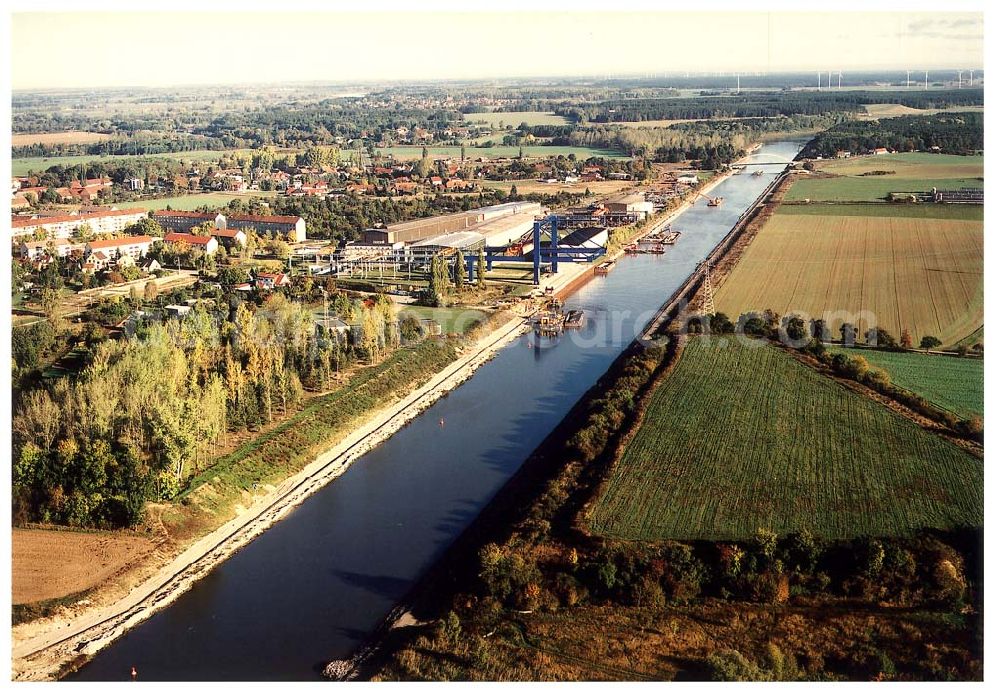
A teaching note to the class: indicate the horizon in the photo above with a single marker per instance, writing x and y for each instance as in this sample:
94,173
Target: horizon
430,81
660,43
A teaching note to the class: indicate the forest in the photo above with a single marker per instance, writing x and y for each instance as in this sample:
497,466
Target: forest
950,133
144,414
759,105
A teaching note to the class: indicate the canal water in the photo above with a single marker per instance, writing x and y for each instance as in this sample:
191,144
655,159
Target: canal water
314,586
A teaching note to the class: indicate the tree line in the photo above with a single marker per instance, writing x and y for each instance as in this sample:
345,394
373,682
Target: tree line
145,413
950,133
763,104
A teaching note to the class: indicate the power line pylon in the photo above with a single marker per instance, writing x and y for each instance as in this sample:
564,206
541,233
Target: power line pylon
708,290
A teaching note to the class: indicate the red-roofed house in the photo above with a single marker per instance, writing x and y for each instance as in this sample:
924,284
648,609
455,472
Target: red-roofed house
272,280
103,252
179,220
207,244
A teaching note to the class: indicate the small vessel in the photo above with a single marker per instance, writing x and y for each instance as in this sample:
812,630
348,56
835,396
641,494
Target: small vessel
671,237
604,268
574,319
758,172
715,202
658,249
631,249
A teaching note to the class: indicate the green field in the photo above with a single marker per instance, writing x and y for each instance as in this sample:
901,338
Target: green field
916,211
23,165
535,152
741,437
193,201
908,165
515,118
951,383
847,188
452,320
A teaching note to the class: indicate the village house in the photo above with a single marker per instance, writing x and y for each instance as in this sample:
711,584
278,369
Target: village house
230,238
102,253
207,244
405,187
271,280
360,188
458,184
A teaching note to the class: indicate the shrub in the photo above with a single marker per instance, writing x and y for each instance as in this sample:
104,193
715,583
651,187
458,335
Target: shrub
732,666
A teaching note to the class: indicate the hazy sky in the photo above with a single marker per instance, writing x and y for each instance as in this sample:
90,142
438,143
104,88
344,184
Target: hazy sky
160,49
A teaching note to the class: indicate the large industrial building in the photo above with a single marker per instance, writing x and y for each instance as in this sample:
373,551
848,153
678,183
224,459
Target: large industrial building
465,241
504,231
630,203
421,229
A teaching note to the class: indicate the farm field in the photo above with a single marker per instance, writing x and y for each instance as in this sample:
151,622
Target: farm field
21,166
879,209
951,383
515,118
908,165
529,187
70,137
876,111
410,152
49,564
862,188
195,200
741,437
925,275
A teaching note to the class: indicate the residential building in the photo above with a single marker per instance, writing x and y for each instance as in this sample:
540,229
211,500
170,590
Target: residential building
179,220
63,226
35,250
111,249
207,244
272,280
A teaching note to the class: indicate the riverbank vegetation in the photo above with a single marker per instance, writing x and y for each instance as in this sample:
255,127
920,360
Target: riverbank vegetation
947,133
143,416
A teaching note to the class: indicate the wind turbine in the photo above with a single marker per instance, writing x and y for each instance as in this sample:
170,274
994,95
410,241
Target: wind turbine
925,80
960,79
819,83
829,78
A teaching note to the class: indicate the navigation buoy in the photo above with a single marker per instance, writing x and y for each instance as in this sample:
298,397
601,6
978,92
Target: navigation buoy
441,422
135,674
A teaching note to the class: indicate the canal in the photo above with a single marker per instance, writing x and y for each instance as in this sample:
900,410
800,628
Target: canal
314,586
